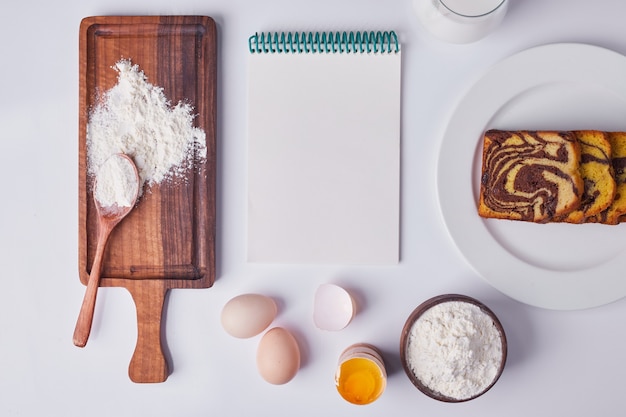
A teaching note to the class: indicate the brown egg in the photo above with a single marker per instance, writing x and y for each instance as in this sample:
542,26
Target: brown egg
278,356
247,315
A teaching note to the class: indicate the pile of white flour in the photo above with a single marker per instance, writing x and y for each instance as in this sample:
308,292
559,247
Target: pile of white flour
455,349
136,118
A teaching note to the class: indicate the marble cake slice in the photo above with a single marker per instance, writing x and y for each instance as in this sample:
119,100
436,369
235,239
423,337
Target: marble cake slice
597,172
530,175
616,212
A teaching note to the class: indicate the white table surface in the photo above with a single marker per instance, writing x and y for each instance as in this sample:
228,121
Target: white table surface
560,363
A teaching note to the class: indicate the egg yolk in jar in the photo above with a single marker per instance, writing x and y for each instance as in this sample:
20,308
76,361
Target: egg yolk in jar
360,381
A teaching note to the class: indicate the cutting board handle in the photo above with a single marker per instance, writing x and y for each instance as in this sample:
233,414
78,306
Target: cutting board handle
148,364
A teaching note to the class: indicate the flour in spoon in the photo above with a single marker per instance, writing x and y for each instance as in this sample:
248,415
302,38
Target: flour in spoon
117,183
137,119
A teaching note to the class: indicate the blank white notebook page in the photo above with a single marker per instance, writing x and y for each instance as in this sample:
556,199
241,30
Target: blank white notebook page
324,157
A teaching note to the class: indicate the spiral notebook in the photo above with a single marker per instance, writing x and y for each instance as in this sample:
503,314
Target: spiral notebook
324,147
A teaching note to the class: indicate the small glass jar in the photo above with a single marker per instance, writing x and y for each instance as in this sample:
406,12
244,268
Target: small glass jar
460,21
361,377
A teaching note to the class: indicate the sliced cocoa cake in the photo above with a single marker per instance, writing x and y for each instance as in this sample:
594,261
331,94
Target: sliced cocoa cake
597,172
530,175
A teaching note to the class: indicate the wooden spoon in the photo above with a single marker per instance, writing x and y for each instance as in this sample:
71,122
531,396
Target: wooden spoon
108,217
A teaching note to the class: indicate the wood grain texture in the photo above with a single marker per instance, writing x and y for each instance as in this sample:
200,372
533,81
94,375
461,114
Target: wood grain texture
170,236
148,363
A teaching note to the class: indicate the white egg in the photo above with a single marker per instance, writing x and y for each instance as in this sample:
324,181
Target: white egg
333,307
247,315
278,356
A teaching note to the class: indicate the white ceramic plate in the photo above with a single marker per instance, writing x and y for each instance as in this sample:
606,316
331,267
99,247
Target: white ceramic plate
556,87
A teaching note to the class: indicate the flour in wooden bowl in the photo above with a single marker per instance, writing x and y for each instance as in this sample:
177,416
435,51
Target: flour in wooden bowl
453,348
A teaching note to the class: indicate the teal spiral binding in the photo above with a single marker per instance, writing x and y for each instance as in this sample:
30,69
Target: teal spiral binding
323,42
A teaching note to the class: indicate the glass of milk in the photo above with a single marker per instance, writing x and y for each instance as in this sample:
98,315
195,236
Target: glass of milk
460,21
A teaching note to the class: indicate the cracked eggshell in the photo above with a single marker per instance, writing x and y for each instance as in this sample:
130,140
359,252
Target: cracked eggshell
247,315
333,307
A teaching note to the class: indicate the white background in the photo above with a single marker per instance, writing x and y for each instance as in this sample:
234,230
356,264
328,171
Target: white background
560,363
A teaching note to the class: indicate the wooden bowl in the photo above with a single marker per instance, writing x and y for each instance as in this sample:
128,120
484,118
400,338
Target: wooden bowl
406,331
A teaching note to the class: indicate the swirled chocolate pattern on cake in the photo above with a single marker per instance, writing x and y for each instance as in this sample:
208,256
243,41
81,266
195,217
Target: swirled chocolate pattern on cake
614,214
530,175
597,172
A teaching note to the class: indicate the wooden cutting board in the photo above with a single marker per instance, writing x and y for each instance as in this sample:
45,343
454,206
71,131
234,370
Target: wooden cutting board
168,240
